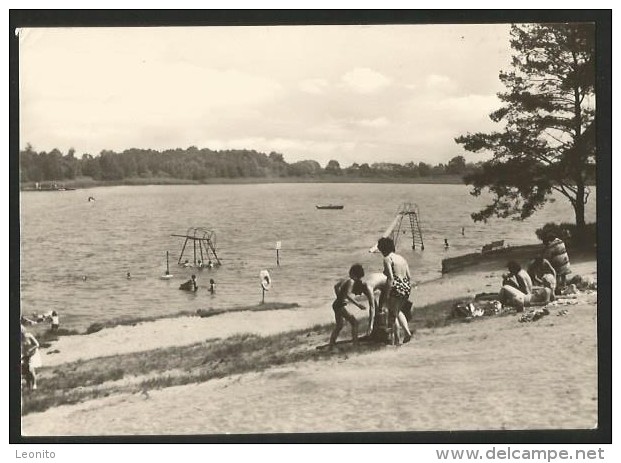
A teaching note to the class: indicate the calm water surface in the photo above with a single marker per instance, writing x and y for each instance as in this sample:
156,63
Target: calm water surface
128,229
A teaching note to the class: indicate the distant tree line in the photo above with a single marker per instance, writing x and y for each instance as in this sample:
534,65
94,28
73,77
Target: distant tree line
203,164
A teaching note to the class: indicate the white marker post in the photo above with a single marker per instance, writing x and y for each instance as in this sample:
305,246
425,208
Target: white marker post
278,244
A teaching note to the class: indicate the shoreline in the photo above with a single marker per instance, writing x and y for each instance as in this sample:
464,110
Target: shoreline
72,185
160,357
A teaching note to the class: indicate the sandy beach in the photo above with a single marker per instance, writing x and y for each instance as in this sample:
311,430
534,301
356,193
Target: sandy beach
492,373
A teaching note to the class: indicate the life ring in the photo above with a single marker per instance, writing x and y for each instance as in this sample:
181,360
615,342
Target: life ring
266,280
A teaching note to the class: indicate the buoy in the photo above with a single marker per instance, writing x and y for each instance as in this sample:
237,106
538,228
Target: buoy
167,275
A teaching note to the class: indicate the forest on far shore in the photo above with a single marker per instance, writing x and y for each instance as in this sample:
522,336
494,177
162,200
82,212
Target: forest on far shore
202,165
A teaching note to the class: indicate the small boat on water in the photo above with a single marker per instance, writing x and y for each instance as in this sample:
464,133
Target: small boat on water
329,206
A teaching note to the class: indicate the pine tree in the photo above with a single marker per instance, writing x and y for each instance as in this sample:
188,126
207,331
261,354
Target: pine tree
548,140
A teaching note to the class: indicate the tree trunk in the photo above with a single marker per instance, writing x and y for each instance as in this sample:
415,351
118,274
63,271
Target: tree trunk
579,211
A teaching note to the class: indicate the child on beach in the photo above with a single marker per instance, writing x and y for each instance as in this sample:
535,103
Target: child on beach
212,286
55,321
344,291
30,358
398,289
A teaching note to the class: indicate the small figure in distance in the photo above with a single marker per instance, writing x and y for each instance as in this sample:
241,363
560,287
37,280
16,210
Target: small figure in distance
446,244
55,321
129,276
189,285
212,286
344,291
463,231
187,263
209,264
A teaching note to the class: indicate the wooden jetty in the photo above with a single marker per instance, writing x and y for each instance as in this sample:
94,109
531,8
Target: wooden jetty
490,252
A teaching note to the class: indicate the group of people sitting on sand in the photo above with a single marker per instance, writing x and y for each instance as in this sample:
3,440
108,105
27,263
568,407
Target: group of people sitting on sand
387,294
543,279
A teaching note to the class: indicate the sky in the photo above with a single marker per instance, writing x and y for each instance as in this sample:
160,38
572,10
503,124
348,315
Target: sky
380,93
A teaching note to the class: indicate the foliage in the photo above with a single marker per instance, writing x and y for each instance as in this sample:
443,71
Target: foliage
201,165
548,140
569,234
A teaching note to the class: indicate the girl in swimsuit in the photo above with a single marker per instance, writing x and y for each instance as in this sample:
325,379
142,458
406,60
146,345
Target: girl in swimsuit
344,291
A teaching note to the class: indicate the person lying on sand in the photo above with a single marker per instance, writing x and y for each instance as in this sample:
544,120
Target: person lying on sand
344,291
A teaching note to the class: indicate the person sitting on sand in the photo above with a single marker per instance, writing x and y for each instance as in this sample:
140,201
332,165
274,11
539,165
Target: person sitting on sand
398,288
344,291
542,273
517,287
556,253
189,285
31,359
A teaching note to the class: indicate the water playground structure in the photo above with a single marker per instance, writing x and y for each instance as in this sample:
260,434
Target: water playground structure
406,220
203,246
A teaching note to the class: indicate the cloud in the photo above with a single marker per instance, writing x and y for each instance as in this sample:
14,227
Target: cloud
377,122
440,83
365,80
314,86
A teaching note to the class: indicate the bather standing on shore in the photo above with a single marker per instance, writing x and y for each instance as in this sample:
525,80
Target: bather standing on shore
398,287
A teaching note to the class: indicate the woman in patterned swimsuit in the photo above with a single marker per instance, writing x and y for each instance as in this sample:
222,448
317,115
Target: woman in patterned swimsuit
398,286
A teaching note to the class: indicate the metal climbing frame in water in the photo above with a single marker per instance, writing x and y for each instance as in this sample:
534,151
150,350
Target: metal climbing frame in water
408,218
204,240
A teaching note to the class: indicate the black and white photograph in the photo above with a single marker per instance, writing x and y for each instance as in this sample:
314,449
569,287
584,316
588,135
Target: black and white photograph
243,224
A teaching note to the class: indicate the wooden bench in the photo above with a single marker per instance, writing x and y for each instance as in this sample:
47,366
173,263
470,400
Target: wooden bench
493,246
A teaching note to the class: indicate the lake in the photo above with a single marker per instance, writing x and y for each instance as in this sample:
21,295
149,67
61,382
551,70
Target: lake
65,238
